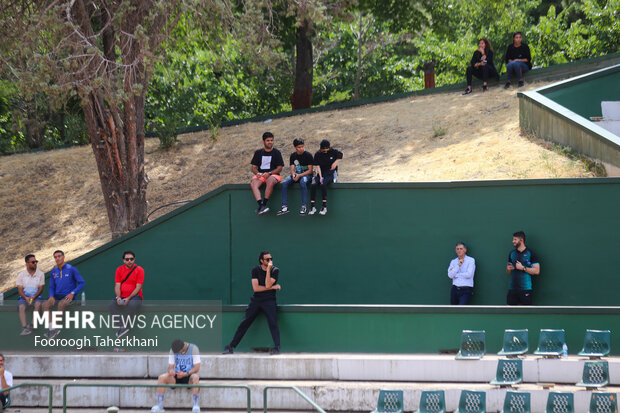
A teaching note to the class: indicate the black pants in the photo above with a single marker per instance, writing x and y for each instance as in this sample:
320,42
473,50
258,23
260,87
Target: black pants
267,306
327,179
4,401
519,297
127,312
481,72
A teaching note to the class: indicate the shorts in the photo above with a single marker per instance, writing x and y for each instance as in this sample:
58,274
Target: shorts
262,179
62,297
21,300
184,380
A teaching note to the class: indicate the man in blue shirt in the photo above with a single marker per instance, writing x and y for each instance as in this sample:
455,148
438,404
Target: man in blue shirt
66,282
522,264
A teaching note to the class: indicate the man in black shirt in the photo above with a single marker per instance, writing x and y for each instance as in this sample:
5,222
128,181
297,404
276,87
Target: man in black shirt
301,171
266,166
326,162
265,284
518,60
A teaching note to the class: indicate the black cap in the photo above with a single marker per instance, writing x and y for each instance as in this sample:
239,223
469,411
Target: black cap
325,144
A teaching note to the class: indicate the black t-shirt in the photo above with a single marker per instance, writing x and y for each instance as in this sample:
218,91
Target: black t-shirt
260,275
325,160
477,58
267,161
521,52
303,160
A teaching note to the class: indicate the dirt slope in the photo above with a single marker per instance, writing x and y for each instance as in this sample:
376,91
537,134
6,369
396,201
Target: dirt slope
52,200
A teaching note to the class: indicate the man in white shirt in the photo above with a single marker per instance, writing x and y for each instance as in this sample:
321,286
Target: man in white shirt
30,283
461,271
6,381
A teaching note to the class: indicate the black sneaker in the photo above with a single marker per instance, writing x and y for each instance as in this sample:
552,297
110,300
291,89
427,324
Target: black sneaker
521,83
507,85
228,350
263,210
274,351
283,210
485,88
467,91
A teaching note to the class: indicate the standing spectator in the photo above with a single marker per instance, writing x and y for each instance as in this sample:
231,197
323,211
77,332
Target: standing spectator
183,368
522,264
265,284
461,271
128,282
6,381
301,171
518,60
66,282
267,163
326,161
481,65
30,283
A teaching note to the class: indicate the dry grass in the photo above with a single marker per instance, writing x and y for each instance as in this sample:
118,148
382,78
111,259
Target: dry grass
52,200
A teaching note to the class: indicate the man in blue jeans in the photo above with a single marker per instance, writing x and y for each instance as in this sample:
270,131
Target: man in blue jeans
518,60
301,172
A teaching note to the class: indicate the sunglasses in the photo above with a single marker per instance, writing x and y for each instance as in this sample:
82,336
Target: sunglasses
267,258
33,262
128,259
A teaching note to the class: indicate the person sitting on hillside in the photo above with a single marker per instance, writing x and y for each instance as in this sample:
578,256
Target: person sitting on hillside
301,171
267,164
326,161
481,65
518,60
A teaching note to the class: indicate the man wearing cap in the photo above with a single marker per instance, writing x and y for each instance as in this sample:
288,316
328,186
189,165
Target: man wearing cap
30,283
267,163
326,162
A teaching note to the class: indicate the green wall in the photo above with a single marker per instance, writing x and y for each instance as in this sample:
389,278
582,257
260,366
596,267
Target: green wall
584,95
379,244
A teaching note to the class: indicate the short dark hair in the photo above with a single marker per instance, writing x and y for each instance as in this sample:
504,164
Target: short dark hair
28,257
519,234
58,251
325,144
516,33
177,345
297,142
267,135
461,243
261,255
129,252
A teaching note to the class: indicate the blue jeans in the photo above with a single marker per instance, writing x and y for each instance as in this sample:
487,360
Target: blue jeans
303,181
460,295
517,69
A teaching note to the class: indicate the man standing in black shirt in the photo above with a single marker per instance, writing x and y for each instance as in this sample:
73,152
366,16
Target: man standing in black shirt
518,60
326,162
266,164
301,171
265,284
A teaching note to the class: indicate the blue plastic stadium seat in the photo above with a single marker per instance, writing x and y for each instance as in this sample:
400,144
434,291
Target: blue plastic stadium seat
472,402
516,343
473,345
603,403
550,343
516,402
560,402
509,372
432,401
390,401
596,343
595,374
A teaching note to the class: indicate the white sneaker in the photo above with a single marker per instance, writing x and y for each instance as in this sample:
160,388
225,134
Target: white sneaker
156,409
196,409
323,210
283,210
312,211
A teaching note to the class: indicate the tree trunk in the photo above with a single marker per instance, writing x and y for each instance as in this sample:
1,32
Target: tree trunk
117,139
302,94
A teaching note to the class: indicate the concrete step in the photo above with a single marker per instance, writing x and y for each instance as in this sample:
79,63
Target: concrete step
345,367
330,395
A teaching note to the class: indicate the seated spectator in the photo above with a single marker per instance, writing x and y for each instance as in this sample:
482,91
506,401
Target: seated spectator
30,283
518,60
326,161
128,282
461,272
183,368
66,282
301,171
6,381
267,164
481,65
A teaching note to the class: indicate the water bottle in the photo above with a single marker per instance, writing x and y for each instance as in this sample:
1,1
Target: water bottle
564,350
297,166
1,297
83,298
